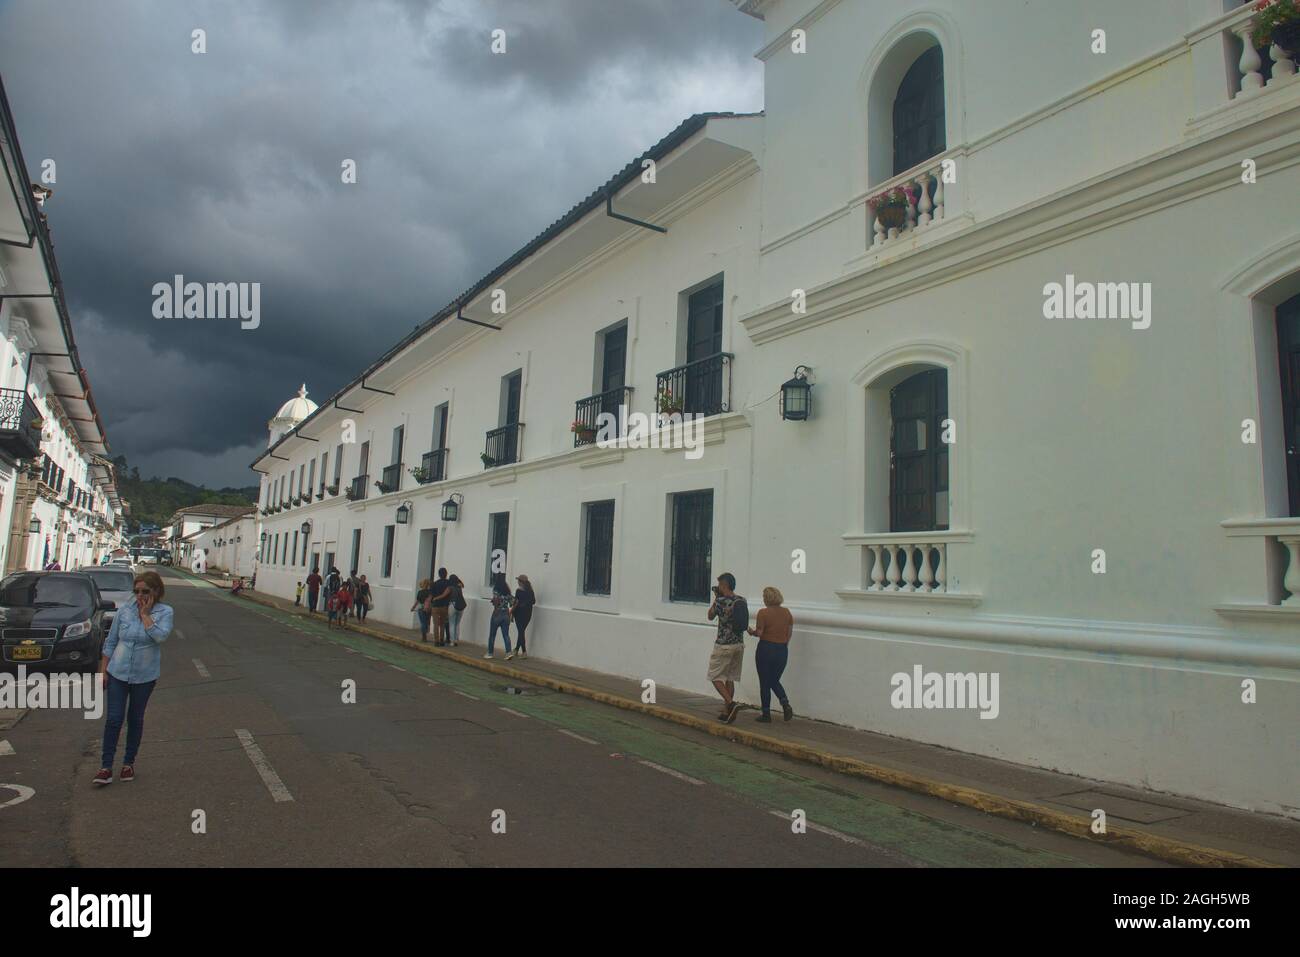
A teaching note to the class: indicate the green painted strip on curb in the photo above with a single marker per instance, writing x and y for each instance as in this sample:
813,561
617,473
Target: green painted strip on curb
1144,842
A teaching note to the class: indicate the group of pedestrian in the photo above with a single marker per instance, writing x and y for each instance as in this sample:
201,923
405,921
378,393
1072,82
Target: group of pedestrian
772,627
342,596
507,608
439,606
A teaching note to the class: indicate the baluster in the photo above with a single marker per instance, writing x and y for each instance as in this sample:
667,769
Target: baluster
925,205
909,569
941,569
1251,79
1292,580
927,576
938,194
911,211
1283,65
877,568
879,229
894,576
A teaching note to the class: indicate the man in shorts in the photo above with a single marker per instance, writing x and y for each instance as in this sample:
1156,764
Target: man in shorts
732,615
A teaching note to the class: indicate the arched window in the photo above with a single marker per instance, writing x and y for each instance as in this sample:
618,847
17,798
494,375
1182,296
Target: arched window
919,119
1288,354
918,457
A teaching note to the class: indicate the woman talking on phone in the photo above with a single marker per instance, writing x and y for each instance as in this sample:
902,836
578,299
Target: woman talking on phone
130,667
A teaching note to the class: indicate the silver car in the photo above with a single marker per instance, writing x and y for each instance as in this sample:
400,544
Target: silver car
116,584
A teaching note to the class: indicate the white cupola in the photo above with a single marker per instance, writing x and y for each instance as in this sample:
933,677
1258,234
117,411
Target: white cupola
290,414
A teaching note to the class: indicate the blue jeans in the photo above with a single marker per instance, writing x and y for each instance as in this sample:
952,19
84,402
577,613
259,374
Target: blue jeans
125,701
425,618
502,622
453,624
770,658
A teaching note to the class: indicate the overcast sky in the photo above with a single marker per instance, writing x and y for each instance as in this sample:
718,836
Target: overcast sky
225,166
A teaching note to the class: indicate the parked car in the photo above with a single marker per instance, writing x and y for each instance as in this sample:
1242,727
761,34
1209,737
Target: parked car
51,621
147,556
164,557
115,584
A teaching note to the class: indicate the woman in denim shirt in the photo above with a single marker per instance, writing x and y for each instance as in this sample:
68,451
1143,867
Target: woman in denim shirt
130,667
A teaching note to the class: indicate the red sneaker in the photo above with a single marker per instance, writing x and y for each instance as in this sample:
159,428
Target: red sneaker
128,773
105,776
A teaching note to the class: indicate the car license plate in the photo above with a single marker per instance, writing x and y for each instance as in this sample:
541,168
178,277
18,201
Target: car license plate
25,654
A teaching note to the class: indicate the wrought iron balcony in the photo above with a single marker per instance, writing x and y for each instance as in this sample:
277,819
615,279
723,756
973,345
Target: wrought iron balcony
432,468
357,490
391,479
20,424
587,414
502,446
321,491
702,387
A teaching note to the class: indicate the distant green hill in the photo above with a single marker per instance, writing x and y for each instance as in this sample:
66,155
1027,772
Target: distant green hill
154,500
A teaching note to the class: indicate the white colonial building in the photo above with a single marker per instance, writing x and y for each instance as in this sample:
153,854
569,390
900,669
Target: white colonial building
1103,511
59,499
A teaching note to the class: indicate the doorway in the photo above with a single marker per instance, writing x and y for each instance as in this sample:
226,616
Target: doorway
426,564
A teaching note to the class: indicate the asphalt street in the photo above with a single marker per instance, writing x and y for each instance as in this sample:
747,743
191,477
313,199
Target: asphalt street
435,764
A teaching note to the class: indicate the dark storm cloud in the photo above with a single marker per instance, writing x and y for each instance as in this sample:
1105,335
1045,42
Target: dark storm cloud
225,167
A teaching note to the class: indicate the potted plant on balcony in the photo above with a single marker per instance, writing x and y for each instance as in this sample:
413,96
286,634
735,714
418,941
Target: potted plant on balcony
1278,23
352,494
488,461
585,431
892,205
334,489
666,402
421,474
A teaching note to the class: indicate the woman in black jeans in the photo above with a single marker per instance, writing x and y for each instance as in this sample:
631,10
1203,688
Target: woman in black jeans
524,601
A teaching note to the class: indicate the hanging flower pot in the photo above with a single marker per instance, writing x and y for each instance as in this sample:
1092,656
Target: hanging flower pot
1278,23
891,207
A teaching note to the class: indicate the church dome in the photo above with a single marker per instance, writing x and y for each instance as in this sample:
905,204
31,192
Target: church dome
297,408
290,414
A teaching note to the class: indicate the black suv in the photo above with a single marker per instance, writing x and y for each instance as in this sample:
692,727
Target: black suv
52,621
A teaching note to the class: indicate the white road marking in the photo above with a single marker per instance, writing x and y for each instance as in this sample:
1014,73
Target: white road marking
428,680
178,633
6,748
464,695
24,793
201,668
677,774
575,735
517,714
822,829
263,766
397,668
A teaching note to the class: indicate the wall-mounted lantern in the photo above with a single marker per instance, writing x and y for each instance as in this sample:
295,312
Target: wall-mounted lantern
404,512
796,396
306,528
451,507
35,526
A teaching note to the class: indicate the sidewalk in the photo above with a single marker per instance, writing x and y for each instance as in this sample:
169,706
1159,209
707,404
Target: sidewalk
1179,830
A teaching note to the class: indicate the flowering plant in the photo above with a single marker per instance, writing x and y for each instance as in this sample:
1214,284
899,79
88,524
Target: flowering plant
898,196
580,426
1278,22
665,401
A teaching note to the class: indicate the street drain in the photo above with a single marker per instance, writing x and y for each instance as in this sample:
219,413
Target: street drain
518,690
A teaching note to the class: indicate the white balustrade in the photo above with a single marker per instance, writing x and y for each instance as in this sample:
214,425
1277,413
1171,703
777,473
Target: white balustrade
1250,66
909,568
1291,582
925,205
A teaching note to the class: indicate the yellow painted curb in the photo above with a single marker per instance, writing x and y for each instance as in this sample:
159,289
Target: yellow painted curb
1164,848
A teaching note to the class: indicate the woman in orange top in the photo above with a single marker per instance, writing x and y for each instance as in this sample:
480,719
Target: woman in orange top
773,628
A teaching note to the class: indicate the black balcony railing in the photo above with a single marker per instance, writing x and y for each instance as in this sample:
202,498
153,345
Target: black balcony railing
592,413
321,491
502,447
20,424
702,387
433,467
391,479
357,490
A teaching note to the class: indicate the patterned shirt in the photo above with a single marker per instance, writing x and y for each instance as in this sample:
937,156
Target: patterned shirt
733,619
